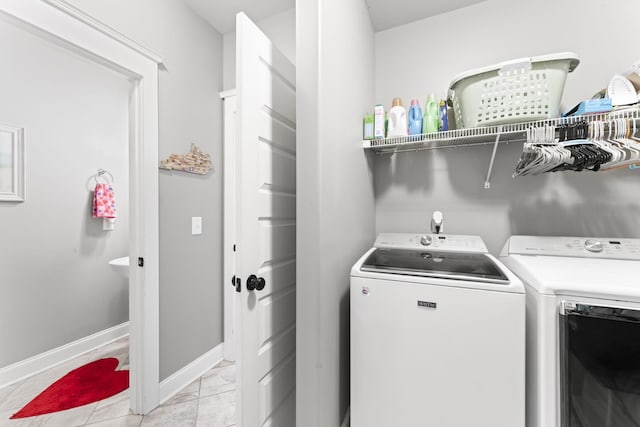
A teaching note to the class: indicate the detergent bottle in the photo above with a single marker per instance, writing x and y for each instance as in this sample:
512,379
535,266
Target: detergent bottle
443,120
415,118
397,119
430,121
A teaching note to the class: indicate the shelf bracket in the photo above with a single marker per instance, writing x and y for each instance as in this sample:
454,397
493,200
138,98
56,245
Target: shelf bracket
487,184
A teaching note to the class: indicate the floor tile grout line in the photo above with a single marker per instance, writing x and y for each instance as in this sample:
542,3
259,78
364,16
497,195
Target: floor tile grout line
91,414
16,385
106,419
195,419
219,392
198,404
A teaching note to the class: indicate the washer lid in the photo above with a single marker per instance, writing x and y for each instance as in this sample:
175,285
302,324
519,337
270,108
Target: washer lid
584,277
472,267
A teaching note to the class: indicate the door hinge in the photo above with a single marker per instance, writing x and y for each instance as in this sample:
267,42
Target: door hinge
140,262
235,282
234,247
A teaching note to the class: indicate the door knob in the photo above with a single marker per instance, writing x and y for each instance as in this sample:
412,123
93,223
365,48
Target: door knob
252,282
255,283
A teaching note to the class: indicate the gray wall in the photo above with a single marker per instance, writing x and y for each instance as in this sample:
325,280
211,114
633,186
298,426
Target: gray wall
56,285
335,202
190,112
281,30
410,186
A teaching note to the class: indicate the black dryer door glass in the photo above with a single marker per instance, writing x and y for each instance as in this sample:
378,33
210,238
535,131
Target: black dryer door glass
600,366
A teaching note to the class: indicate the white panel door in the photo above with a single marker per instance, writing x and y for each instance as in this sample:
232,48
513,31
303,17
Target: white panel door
266,229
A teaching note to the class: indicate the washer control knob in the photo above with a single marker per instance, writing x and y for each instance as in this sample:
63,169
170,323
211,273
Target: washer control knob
593,245
426,240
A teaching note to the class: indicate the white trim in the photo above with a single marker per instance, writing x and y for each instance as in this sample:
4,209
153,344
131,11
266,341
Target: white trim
40,362
81,16
347,418
17,193
227,93
185,376
80,35
231,297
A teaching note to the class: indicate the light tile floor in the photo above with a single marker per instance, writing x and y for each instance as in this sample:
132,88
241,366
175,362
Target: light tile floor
207,402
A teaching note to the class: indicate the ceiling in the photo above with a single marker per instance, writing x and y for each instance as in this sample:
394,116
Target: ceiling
387,14
384,14
222,13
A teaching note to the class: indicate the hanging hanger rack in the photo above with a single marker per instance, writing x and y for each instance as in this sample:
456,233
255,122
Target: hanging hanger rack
603,145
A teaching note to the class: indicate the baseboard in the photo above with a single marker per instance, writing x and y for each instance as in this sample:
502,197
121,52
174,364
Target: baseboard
40,362
185,376
347,418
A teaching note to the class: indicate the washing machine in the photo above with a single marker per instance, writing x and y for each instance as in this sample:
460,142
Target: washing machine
437,335
583,329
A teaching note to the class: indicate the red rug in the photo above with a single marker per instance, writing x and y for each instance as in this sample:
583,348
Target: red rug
87,384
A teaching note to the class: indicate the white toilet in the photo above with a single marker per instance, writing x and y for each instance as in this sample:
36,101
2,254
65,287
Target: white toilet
122,265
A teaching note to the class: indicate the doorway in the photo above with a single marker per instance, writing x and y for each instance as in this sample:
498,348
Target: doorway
69,29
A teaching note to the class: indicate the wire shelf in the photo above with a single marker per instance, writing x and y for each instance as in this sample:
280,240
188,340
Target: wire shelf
514,132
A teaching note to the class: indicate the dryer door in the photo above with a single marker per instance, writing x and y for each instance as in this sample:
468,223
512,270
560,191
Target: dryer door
600,365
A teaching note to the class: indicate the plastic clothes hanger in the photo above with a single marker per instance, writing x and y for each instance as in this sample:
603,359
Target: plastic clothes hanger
613,141
634,144
535,159
605,148
605,152
555,157
530,154
618,153
629,146
632,141
551,155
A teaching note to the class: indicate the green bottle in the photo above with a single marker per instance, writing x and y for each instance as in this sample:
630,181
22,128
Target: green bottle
430,121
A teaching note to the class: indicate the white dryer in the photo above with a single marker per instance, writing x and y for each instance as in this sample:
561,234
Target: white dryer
437,335
583,329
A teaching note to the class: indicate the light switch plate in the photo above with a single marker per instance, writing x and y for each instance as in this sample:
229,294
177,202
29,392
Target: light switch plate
196,225
108,224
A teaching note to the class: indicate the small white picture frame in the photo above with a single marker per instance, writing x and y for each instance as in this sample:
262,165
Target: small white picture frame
11,164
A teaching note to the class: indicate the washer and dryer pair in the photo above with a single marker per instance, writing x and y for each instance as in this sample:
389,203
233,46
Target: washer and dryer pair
438,333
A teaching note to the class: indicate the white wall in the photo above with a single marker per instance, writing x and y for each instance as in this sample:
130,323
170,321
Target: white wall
190,112
280,28
423,57
56,285
335,196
